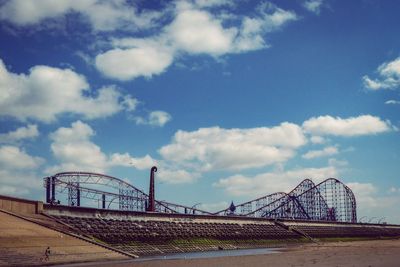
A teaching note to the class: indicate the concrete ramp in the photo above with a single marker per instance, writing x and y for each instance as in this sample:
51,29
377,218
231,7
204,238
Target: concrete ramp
23,243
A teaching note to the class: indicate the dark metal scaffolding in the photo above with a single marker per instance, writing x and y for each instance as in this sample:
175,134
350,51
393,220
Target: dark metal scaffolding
111,192
330,200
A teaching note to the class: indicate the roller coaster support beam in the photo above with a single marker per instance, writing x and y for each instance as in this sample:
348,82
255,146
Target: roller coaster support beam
48,190
152,205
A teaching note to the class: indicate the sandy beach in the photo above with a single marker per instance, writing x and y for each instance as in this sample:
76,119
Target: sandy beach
382,253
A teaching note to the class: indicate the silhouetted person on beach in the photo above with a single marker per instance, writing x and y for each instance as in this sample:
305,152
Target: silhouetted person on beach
47,254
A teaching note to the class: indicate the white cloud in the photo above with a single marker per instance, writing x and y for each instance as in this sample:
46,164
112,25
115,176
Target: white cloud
19,182
353,126
176,176
127,160
13,190
126,64
23,12
129,103
196,32
18,171
362,189
271,182
213,3
192,31
373,205
101,15
74,150
234,149
394,190
365,194
313,6
389,76
47,92
12,157
28,132
327,151
372,84
155,118
253,29
337,163
392,102
317,139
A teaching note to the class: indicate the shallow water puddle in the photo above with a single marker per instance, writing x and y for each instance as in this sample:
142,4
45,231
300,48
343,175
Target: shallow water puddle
212,254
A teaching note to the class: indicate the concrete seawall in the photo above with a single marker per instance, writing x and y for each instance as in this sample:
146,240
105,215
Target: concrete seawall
19,205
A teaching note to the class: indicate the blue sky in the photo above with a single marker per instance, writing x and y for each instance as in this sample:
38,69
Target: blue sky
231,100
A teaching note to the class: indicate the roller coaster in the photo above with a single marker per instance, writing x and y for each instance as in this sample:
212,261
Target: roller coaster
330,200
119,195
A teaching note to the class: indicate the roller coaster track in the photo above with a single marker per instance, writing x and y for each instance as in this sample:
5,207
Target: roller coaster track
330,200
88,185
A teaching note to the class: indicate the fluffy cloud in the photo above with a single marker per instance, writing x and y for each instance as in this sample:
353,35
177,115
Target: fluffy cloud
389,76
47,92
127,160
12,190
155,118
126,64
372,205
12,157
193,30
327,151
313,6
363,192
271,182
196,31
28,132
19,182
213,3
102,15
72,147
176,176
18,171
394,190
353,126
234,149
317,139
337,163
74,150
251,33
392,102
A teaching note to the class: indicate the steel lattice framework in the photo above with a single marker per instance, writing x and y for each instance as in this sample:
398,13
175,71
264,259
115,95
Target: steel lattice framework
107,190
330,200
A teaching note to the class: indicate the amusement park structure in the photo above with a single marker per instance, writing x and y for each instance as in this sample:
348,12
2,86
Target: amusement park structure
330,200
111,192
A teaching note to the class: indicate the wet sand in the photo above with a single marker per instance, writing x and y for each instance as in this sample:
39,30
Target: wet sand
383,253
